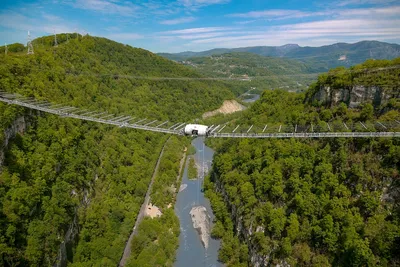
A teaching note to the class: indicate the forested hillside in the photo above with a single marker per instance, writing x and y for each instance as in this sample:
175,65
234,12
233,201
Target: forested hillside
311,202
99,73
76,187
374,81
322,58
265,72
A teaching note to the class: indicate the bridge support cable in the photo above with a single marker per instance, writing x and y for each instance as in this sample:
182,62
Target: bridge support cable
265,128
139,121
99,114
88,113
180,125
44,105
381,124
250,128
117,118
173,126
150,122
222,128
68,109
234,130
365,127
127,120
122,119
215,128
105,117
165,122
329,127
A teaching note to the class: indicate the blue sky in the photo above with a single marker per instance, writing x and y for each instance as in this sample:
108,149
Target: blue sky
196,25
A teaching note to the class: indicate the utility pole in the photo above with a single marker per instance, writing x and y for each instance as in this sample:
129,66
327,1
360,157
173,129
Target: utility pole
6,49
29,45
55,39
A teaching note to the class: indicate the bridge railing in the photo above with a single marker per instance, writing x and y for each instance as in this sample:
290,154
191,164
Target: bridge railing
321,130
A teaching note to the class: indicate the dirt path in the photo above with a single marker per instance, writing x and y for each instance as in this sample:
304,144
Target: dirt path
127,250
181,166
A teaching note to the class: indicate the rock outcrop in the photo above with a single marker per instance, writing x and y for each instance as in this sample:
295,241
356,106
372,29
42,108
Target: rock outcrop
17,127
353,96
245,233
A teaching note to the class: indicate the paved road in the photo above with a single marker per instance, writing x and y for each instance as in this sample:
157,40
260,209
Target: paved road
127,250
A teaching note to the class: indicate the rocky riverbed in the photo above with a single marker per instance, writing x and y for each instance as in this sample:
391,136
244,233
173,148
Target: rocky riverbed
196,247
201,222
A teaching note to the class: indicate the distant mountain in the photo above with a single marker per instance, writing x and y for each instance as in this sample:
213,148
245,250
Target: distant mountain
322,58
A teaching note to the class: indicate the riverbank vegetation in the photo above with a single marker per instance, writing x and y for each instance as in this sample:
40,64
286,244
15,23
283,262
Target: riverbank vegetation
192,169
157,239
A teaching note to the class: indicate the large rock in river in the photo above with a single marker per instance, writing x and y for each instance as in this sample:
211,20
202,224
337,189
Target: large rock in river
201,222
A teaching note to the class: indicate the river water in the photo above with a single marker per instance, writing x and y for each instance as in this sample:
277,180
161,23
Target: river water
191,251
254,97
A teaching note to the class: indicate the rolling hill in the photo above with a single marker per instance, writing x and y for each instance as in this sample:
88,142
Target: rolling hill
323,58
264,72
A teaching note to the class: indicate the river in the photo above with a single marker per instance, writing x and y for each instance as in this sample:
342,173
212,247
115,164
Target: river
254,97
191,251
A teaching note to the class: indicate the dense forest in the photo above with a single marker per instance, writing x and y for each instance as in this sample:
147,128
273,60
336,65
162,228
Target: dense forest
311,202
73,186
101,74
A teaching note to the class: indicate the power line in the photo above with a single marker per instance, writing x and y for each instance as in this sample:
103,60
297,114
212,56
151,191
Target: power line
30,46
55,39
330,73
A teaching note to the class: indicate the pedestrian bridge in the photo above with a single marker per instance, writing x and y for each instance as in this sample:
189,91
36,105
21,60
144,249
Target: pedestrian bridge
327,130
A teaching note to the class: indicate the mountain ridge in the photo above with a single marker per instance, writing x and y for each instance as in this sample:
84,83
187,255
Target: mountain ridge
325,57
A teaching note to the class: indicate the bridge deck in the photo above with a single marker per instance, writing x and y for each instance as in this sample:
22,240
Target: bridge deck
390,129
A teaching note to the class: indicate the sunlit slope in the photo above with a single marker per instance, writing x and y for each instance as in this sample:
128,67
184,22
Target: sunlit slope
98,73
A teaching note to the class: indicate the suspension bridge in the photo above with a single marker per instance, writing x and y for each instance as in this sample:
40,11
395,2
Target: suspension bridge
359,129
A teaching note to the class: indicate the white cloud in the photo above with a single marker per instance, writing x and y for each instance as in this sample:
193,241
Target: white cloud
364,2
46,24
310,33
274,14
197,30
178,21
107,7
200,3
371,12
